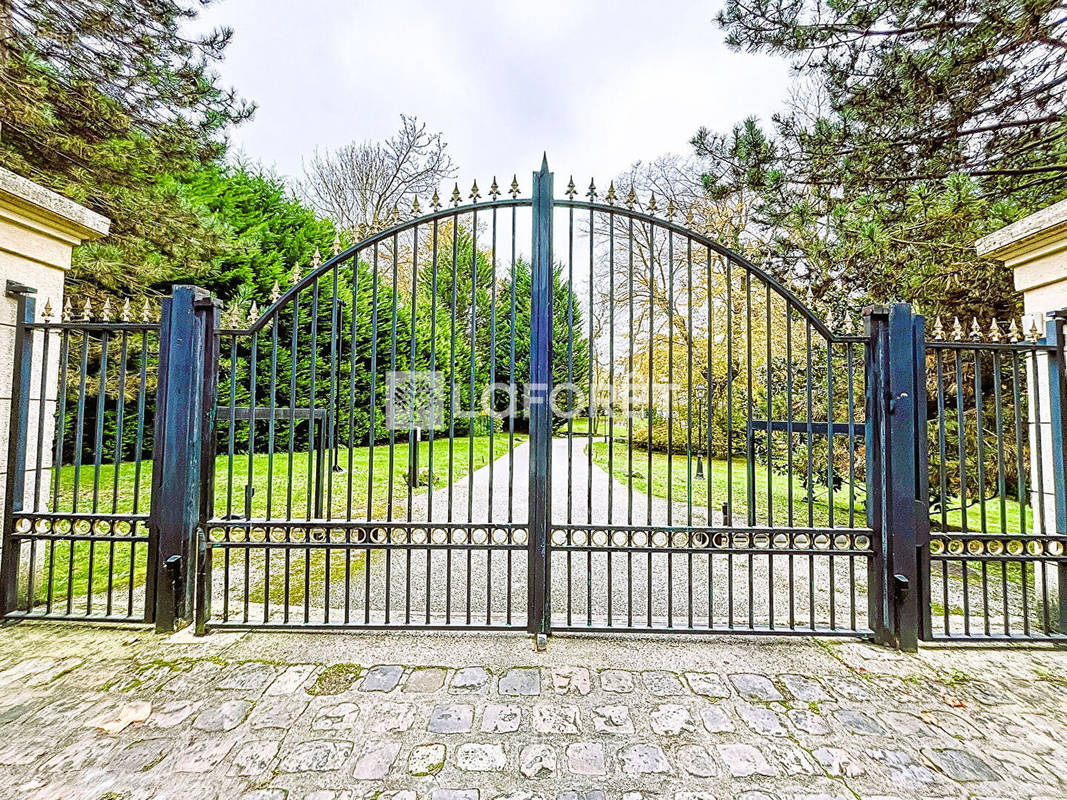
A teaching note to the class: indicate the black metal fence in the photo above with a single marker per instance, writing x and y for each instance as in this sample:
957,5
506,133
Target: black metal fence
633,429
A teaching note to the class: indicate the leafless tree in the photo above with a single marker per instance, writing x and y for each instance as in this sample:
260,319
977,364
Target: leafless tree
357,185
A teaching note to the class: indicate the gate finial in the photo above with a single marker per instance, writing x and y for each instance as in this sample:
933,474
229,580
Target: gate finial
591,194
994,331
1013,332
415,207
455,195
296,273
475,194
544,161
67,310
275,293
316,259
514,186
87,311
435,201
976,330
253,313
570,191
652,203
336,243
938,331
494,190
105,312
146,311
631,198
126,310
957,330
46,312
611,194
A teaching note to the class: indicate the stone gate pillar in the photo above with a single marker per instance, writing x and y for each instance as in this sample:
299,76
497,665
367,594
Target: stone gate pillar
38,231
1035,248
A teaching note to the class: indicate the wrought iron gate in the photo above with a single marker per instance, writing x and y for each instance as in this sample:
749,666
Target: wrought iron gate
626,426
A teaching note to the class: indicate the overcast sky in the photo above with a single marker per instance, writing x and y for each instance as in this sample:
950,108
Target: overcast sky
599,84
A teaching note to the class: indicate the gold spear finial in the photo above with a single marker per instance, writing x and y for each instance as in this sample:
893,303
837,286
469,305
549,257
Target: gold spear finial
296,273
126,310
435,201
68,309
591,194
631,198
957,330
494,190
475,194
670,208
938,331
316,259
336,243
275,293
415,207
994,331
146,311
610,197
571,191
105,311
46,312
253,313
976,330
455,195
87,311
514,186
652,203
689,217
1034,334
1014,334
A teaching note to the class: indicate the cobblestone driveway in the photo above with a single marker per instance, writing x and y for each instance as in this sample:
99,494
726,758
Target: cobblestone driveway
477,717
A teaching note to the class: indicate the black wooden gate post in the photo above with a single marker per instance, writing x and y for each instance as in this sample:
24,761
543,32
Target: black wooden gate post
185,400
896,471
538,397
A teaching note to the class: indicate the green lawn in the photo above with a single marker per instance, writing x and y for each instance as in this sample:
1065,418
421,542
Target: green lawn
721,478
119,495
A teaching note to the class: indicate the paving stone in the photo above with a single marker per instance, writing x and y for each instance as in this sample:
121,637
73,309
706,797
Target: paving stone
756,794
661,683
854,690
859,722
477,757
292,679
141,755
906,724
707,684
556,719
382,678
451,718
715,719
537,761
642,759
588,794
697,761
959,764
223,717
1023,768
586,758
501,718
902,767
194,679
617,681
318,755
454,794
425,679
520,682
78,756
755,687
336,717
375,760
280,712
571,680
954,726
762,720
389,717
807,721
171,713
469,680
612,719
20,753
838,762
426,759
804,689
247,677
202,755
265,794
792,760
253,758
671,720
744,760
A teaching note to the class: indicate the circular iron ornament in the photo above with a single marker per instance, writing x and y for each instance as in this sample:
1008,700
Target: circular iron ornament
822,541
1015,547
975,547
700,540
722,541
418,536
955,547
1035,548
995,547
101,527
83,526
741,541
439,536
479,536
124,527
1054,548
639,539
578,538
377,535
937,547
863,542
359,535
600,538
842,542
761,541
63,526
659,539
519,537
39,526
619,538
500,536
781,541
802,541
23,525
559,538
460,536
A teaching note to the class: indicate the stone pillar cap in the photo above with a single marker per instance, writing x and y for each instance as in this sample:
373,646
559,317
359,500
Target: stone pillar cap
47,207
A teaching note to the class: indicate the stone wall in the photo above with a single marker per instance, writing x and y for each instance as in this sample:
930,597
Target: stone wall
38,231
